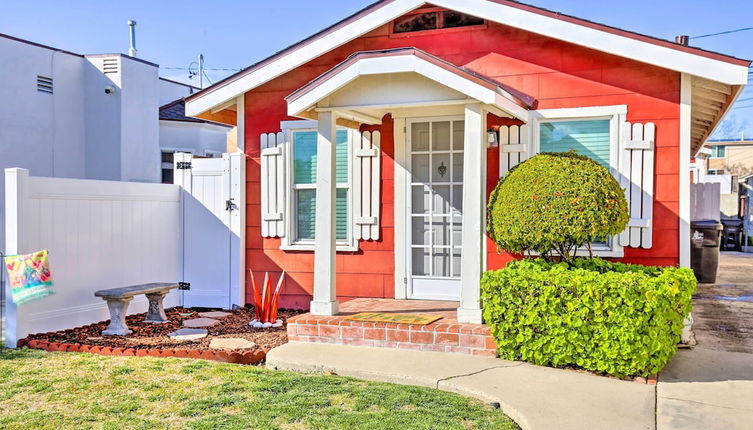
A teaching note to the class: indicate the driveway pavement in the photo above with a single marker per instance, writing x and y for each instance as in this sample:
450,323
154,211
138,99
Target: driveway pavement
711,386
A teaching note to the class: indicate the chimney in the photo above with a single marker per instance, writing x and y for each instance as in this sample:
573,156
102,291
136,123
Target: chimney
132,29
683,39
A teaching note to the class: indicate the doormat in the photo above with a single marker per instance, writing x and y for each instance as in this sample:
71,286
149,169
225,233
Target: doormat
394,318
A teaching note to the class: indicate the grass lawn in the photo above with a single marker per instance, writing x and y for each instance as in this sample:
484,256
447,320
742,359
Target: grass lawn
41,390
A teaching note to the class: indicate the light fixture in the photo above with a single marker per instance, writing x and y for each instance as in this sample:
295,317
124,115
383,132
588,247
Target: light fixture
492,138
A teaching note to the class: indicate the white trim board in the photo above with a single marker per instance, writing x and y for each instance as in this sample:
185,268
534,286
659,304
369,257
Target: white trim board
662,56
404,64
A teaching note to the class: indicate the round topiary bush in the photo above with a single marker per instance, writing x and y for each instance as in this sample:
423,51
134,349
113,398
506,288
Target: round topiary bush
554,203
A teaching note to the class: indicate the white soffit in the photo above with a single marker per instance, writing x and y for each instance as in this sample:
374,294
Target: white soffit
662,56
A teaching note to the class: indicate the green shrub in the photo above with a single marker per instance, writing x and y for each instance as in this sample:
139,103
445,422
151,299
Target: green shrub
556,202
620,319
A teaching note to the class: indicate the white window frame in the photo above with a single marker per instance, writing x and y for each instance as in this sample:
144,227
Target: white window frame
616,115
289,241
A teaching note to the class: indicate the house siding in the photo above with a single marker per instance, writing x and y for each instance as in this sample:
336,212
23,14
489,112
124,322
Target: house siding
558,74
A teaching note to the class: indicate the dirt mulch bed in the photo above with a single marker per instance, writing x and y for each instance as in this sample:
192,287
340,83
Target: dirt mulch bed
150,339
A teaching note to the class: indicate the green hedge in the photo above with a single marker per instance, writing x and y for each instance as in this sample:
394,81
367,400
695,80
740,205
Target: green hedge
620,319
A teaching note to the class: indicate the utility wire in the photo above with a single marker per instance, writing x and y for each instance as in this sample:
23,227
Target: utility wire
187,68
722,32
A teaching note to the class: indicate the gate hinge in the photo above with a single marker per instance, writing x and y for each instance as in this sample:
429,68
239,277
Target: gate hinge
184,286
182,165
405,280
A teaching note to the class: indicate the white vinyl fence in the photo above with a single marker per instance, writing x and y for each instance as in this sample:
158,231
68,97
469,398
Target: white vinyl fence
100,234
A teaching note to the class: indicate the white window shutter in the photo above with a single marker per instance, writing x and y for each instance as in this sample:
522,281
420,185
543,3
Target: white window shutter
514,147
273,184
637,178
366,185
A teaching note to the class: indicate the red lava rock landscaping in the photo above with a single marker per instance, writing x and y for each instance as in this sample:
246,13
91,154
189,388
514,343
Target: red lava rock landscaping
151,339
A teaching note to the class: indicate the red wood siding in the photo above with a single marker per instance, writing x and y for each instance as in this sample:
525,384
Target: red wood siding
558,74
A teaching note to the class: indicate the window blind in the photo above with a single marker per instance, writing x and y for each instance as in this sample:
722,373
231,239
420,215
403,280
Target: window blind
590,138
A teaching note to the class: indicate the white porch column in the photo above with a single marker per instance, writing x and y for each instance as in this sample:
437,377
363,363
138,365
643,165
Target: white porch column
325,297
474,213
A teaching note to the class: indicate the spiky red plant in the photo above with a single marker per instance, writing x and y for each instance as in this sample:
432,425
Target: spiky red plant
266,300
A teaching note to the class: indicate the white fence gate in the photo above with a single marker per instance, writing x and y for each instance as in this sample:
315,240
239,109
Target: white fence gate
212,220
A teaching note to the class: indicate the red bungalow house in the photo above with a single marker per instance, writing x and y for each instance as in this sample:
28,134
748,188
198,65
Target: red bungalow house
372,145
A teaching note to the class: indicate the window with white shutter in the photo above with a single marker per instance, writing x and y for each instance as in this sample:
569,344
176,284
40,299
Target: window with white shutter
596,132
353,220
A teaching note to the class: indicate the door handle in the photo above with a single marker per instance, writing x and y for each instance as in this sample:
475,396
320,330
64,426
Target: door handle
230,205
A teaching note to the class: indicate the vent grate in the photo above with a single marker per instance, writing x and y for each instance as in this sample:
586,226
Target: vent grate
110,65
44,84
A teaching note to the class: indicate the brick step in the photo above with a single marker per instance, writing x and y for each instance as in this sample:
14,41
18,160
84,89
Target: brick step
448,336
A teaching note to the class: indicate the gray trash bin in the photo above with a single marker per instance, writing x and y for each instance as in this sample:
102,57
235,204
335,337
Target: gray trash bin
705,237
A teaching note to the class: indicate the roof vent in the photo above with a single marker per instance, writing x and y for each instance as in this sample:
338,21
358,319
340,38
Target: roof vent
110,65
44,84
682,40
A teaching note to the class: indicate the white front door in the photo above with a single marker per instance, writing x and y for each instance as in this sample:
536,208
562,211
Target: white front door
435,198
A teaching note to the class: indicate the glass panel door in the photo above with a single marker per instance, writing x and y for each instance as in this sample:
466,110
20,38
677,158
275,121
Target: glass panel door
435,218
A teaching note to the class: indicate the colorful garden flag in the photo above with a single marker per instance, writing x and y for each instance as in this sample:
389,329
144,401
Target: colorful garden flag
30,277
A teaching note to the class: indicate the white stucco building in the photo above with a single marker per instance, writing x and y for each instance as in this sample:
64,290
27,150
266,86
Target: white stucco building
65,114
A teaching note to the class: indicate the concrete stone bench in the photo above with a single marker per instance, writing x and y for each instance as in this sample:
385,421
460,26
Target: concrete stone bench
118,298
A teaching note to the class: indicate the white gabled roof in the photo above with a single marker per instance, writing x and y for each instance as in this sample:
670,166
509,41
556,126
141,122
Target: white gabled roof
665,54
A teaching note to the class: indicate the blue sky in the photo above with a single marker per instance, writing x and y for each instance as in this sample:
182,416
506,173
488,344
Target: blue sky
235,34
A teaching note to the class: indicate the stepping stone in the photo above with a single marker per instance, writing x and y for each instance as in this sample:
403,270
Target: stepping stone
215,314
185,334
199,322
231,343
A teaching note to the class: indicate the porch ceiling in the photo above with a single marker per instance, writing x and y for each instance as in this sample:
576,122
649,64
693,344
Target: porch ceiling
370,84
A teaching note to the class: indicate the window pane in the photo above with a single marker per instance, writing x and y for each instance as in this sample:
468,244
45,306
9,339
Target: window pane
440,136
306,211
458,134
456,19
441,199
421,199
420,231
456,260
304,156
417,22
440,164
420,168
421,261
167,176
457,167
441,262
589,138
419,136
341,213
341,157
441,231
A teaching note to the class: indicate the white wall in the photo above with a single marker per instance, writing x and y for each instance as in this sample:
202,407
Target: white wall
139,122
192,137
103,112
42,132
170,91
100,235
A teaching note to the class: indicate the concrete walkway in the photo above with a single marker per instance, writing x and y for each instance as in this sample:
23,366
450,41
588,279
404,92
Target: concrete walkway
535,397
706,389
